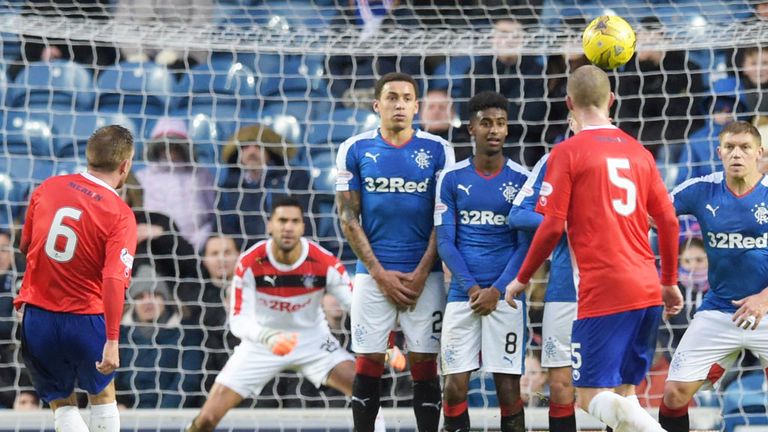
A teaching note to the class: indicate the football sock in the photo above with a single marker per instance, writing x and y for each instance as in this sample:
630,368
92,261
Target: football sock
562,417
68,419
366,391
456,417
615,411
674,420
105,418
513,417
427,397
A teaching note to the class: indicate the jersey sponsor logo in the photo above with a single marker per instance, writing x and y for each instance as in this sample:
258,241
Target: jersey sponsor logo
464,188
761,213
546,189
395,184
126,258
372,156
481,217
440,208
422,158
712,209
526,191
508,191
343,176
284,306
736,241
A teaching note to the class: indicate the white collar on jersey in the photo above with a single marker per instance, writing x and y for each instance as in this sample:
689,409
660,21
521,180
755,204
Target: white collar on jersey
285,267
99,181
596,127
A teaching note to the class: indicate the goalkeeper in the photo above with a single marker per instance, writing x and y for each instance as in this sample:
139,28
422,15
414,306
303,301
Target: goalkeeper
276,310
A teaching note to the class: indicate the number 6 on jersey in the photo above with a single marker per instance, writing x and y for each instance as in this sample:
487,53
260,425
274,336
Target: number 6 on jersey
59,229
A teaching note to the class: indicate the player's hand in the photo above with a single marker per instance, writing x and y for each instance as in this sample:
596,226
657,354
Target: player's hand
110,358
415,281
652,222
513,290
484,301
673,300
390,283
395,358
282,343
751,310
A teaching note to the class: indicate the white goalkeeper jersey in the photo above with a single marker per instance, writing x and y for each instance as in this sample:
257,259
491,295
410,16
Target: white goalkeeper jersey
270,294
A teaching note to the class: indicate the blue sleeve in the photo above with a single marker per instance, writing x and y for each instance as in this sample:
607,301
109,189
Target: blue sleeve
514,264
445,221
682,196
347,168
522,215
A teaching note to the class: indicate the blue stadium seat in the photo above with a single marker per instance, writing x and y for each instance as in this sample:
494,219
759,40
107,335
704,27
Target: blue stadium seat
745,401
219,84
137,88
12,198
207,138
343,123
279,74
73,130
27,134
57,84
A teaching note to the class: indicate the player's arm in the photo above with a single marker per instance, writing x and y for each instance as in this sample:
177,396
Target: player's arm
242,316
751,310
339,285
26,232
523,216
661,209
416,279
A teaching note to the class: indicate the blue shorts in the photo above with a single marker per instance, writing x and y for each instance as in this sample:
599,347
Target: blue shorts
61,350
615,349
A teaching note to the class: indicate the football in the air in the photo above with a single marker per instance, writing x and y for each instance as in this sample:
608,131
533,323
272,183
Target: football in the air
608,41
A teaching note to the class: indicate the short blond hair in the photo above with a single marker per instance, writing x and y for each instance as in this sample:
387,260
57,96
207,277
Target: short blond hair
108,147
589,86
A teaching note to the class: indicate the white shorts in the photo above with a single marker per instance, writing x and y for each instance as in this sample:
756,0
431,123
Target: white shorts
374,317
713,339
556,334
252,365
500,336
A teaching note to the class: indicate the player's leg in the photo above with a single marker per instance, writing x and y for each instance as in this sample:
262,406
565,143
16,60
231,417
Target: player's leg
104,414
373,317
503,348
460,346
342,378
698,360
606,350
220,400
47,359
422,327
556,357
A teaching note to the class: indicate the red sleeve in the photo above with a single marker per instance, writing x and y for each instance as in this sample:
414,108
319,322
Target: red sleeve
659,200
555,193
544,242
113,296
26,232
121,245
669,230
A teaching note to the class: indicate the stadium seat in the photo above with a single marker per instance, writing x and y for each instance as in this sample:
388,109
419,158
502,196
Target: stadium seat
745,401
58,85
207,138
136,88
343,124
25,173
218,84
27,134
73,131
12,198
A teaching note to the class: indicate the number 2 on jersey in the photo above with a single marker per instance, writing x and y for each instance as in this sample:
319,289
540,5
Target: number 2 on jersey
624,208
59,229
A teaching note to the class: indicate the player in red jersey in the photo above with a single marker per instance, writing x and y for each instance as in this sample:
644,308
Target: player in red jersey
276,310
79,237
603,185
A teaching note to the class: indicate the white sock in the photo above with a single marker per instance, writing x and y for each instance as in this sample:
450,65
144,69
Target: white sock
622,414
68,419
380,426
105,418
635,400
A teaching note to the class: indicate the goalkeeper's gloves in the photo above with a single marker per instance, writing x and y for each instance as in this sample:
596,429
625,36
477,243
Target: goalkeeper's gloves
280,343
395,358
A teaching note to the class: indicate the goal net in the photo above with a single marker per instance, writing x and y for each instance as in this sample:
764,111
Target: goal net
198,81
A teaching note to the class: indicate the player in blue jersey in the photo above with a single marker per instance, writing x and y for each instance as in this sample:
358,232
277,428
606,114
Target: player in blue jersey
385,194
475,242
732,209
559,302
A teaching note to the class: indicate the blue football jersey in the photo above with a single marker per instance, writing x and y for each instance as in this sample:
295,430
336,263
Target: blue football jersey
561,287
397,192
735,230
477,206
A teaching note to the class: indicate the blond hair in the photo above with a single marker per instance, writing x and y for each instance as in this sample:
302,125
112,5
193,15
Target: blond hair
588,86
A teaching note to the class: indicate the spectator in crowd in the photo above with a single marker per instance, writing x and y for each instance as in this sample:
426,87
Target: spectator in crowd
521,80
659,94
438,116
192,14
11,373
752,66
534,389
698,155
26,400
160,360
174,185
88,53
256,156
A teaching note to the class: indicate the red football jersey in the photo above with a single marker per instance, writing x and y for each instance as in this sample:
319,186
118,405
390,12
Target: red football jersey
78,232
604,184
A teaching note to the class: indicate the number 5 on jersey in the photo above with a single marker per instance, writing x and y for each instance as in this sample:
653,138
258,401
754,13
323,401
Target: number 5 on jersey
59,229
624,208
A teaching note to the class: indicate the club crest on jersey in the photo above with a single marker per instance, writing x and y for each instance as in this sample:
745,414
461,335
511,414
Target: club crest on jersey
761,213
422,158
126,258
508,190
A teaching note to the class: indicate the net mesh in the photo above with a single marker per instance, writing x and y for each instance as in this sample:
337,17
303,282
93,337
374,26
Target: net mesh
304,71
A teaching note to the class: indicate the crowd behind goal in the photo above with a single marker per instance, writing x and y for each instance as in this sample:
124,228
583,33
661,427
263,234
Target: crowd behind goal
223,134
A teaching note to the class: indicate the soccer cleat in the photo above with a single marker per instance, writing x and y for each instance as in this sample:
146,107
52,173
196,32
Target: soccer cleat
395,358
